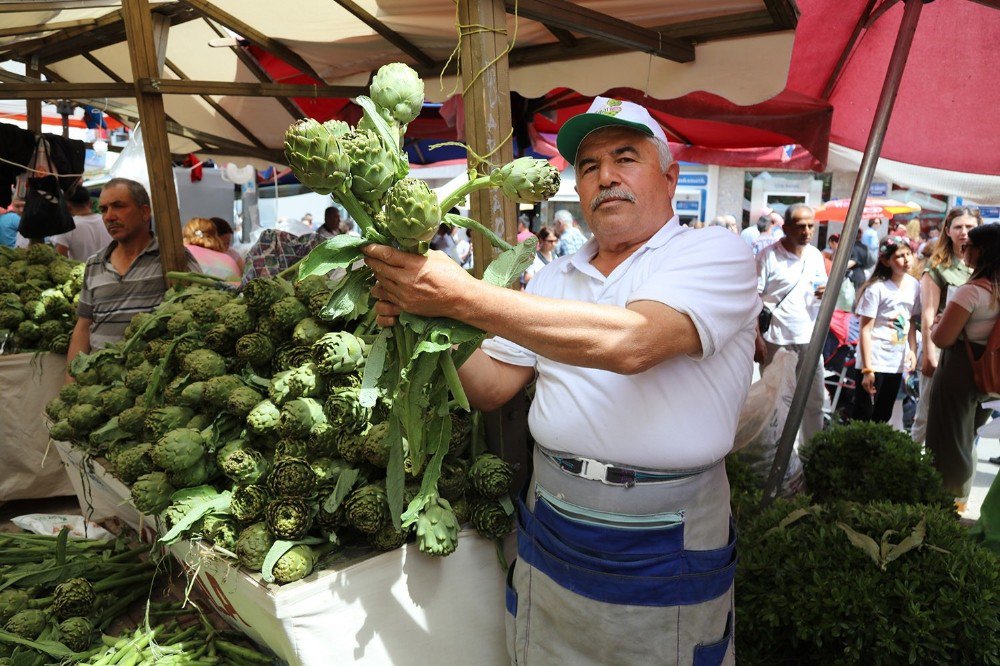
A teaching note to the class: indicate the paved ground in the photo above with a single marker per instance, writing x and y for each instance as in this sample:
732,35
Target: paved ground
985,473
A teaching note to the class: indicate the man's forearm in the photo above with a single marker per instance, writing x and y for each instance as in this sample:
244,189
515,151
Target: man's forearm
623,340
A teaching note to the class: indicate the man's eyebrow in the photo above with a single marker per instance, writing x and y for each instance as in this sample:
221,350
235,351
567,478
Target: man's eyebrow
616,152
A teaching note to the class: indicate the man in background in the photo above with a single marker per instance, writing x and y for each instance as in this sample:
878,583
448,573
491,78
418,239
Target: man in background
90,234
571,238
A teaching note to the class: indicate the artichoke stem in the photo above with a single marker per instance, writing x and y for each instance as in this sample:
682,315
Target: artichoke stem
451,376
459,195
358,213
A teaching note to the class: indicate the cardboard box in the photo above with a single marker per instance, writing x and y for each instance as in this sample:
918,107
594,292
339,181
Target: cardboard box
400,607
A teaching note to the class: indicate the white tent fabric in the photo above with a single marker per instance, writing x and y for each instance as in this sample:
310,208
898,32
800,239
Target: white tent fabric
979,187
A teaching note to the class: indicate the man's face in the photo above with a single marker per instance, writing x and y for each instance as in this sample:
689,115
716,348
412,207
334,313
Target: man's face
123,218
624,193
800,230
17,206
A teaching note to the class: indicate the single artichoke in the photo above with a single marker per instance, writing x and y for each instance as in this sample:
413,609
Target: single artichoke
137,378
322,439
62,431
72,597
240,463
84,418
338,353
345,412
133,462
297,563
291,477
235,317
490,476
526,180
220,530
490,519
192,395
252,546
372,165
412,213
151,493
308,331
76,633
254,349
132,420
290,448
220,339
367,508
288,312
388,538
299,416
203,364
264,418
261,293
288,518
181,323
248,503
397,88
12,601
161,420
56,408
351,448
318,156
218,389
178,449
437,527
454,479
197,474
375,445
242,401
27,624
461,432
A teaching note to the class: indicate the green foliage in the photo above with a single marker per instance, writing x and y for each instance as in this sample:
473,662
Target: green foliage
820,584
869,462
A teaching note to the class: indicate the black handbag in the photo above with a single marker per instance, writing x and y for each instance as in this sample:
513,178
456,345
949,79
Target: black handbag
767,314
45,210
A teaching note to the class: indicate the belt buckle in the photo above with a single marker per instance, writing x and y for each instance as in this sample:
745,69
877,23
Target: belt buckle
595,470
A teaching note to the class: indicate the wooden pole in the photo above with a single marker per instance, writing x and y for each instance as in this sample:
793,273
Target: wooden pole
487,114
142,52
34,105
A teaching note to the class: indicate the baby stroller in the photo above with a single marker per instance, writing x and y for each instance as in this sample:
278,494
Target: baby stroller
839,353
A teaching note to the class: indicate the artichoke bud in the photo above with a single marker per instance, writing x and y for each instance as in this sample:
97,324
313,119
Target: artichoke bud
297,563
373,168
338,352
292,477
252,546
490,476
490,519
367,508
248,503
76,633
412,212
437,527
317,155
73,597
288,518
526,180
151,493
398,89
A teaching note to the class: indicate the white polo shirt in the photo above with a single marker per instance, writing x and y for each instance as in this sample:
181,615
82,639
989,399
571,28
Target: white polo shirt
680,414
780,272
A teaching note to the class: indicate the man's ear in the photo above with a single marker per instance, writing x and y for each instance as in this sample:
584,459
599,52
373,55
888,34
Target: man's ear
672,175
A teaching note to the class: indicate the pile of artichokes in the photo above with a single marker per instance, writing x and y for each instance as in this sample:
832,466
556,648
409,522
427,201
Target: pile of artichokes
38,294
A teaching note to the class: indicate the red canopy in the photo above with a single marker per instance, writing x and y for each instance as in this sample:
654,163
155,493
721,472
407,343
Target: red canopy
947,112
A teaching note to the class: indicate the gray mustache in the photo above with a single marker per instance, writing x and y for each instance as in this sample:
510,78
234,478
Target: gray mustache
612,193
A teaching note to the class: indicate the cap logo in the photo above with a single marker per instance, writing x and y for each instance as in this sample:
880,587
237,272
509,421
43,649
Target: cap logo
612,109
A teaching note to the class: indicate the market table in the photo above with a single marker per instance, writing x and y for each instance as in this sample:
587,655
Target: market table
27,383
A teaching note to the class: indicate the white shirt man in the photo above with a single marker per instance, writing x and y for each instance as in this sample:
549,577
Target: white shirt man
791,276
90,234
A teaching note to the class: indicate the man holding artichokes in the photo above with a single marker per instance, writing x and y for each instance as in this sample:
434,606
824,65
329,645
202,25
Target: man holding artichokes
641,348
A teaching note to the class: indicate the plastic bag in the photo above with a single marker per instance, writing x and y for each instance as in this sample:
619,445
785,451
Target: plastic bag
763,419
51,523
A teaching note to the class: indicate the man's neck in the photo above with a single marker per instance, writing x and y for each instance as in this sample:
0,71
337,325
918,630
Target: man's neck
792,246
132,247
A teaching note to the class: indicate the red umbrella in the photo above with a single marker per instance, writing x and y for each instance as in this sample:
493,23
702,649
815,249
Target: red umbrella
836,210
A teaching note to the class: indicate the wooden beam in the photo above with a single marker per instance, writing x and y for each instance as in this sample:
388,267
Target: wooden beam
56,90
50,5
486,97
44,27
241,89
107,71
390,35
161,34
34,106
785,13
293,109
240,127
565,37
579,19
142,53
270,45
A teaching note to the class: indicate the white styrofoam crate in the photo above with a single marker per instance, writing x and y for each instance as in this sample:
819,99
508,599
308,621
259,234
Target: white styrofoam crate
400,607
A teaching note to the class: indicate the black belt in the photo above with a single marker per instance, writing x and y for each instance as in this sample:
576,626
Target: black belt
616,475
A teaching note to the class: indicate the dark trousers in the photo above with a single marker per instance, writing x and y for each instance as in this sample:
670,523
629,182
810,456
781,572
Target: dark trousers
886,389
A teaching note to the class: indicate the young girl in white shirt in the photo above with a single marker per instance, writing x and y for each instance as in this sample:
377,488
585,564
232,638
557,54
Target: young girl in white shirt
889,308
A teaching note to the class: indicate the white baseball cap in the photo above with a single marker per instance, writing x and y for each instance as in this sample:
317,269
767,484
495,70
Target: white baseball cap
605,112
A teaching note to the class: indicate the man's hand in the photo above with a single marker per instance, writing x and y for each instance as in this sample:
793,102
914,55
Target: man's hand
928,366
759,349
421,285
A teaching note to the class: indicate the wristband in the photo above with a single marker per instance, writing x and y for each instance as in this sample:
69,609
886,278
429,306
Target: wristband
867,371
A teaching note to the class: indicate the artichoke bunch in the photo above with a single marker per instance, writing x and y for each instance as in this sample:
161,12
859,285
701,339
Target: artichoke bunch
38,294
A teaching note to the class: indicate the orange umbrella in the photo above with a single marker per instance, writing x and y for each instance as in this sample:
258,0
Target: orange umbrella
836,210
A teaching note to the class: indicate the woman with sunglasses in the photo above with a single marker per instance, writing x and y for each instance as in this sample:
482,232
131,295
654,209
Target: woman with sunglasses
954,409
889,308
544,253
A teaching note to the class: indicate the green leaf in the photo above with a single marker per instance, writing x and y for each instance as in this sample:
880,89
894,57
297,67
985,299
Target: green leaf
279,548
411,403
52,648
200,507
338,252
864,542
344,484
395,476
109,433
450,373
469,223
368,395
61,546
350,297
507,267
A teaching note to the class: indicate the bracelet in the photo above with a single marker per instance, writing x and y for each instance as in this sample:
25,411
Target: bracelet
867,371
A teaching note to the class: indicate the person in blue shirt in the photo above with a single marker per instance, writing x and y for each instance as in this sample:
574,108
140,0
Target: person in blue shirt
870,236
9,223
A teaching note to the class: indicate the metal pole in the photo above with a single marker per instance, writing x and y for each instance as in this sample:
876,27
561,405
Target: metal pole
876,136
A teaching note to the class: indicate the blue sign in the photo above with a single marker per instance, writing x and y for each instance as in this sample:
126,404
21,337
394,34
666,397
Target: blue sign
693,180
686,205
878,190
990,211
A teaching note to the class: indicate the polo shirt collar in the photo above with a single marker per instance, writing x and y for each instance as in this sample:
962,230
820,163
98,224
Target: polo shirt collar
581,259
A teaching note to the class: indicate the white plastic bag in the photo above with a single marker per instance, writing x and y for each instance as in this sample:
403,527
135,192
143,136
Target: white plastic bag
51,523
763,419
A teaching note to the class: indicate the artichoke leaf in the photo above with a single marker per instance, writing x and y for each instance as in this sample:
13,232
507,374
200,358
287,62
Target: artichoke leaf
350,297
387,134
338,252
344,484
200,505
413,404
109,433
54,649
472,225
428,488
279,548
395,476
508,267
368,395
